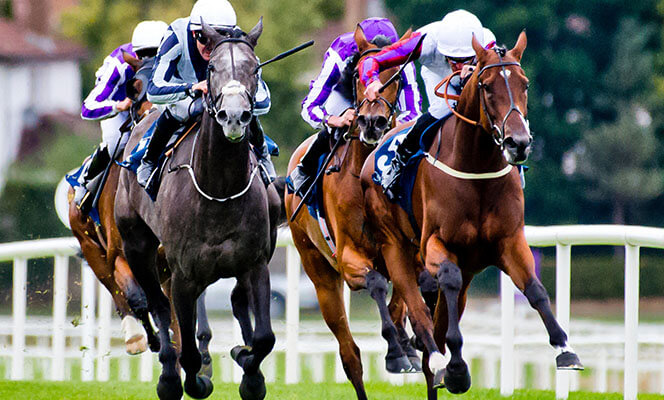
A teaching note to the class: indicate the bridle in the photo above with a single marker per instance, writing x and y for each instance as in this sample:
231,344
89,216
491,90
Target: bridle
232,87
143,75
499,139
391,106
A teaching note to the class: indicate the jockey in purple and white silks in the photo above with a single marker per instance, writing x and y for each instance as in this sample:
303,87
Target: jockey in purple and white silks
181,69
447,47
108,101
329,104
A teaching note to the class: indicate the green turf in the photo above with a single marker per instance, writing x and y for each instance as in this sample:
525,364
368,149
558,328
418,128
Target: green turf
313,391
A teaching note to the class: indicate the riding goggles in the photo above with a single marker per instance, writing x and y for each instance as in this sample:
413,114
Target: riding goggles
460,61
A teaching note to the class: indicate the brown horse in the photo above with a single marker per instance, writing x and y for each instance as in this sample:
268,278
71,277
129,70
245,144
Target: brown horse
356,259
469,210
102,249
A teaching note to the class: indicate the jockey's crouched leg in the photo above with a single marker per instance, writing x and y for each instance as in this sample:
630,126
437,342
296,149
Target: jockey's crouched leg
257,139
303,175
94,166
166,125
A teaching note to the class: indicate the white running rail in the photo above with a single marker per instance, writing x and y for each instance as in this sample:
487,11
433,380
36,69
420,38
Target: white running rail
296,336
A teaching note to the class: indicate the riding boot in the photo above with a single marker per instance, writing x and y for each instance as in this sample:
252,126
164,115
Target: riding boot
303,175
261,150
166,125
409,146
94,166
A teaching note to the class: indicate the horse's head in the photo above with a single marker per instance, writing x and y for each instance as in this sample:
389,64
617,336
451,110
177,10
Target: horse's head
232,79
503,93
374,118
137,86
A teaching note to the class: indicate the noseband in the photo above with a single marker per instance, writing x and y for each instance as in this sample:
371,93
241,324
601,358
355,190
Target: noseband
500,139
232,87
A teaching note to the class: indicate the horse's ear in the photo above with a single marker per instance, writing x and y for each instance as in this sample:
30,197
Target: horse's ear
361,39
407,34
520,46
213,36
255,32
477,46
131,60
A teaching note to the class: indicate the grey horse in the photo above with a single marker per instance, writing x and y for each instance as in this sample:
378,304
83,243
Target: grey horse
214,217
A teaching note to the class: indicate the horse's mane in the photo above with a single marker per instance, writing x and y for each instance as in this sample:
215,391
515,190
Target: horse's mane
345,83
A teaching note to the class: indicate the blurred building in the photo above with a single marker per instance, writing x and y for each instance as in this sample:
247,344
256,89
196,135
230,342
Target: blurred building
39,72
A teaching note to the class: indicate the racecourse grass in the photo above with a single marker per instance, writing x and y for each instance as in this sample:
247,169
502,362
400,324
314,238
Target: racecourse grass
310,391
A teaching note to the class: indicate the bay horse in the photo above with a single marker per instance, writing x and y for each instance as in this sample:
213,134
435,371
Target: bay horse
102,246
356,260
468,206
214,219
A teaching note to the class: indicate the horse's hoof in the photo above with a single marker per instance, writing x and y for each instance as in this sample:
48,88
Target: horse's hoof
457,383
568,361
416,364
136,344
399,365
199,388
252,387
240,354
169,388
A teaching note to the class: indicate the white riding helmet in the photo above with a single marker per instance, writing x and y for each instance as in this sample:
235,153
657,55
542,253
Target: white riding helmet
489,39
148,34
216,13
454,34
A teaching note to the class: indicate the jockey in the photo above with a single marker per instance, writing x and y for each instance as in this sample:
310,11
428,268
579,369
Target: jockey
447,45
181,70
108,101
329,103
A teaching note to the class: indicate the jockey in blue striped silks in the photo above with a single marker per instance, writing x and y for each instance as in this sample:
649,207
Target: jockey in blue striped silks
181,69
329,103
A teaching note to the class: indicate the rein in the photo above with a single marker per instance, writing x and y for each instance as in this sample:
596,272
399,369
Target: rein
200,191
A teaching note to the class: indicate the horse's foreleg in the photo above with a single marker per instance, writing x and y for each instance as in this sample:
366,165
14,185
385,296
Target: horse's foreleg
204,335
252,386
396,360
450,282
359,274
398,313
518,262
240,300
184,294
404,277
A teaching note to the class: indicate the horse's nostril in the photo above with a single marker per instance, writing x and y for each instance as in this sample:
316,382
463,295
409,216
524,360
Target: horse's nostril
245,117
362,121
222,115
381,123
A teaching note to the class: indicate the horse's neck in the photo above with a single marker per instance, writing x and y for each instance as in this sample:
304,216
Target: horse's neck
468,147
221,168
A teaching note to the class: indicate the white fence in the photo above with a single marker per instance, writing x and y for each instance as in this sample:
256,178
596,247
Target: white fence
54,342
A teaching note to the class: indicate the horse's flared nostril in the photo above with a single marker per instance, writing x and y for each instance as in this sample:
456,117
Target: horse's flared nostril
222,116
380,123
245,118
362,122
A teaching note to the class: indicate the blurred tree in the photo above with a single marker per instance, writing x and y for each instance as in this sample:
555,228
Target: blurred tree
619,158
571,46
102,25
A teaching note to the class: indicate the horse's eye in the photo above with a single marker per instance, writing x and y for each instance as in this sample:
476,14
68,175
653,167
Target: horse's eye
210,67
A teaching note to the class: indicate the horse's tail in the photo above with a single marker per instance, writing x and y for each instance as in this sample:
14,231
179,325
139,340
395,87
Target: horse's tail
280,185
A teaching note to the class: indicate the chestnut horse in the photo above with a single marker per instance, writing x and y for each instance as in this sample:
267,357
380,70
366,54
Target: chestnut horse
102,247
356,259
469,210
